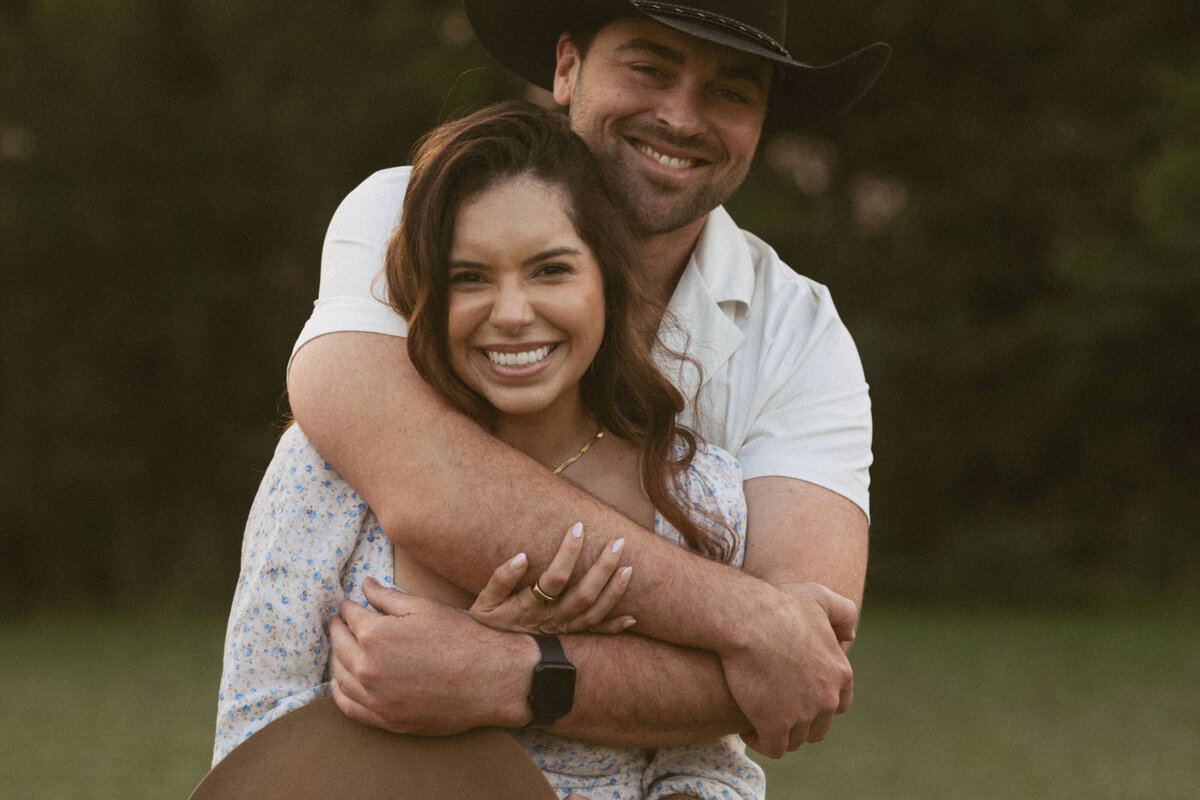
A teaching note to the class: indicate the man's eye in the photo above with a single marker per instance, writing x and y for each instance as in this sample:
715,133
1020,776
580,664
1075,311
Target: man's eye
648,70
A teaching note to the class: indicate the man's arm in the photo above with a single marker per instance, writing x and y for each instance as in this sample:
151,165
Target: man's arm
800,534
630,690
462,502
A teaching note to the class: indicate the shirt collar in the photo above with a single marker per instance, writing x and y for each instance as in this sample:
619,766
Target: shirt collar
716,285
722,260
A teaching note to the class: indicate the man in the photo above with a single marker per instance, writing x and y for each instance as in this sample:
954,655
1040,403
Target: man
671,98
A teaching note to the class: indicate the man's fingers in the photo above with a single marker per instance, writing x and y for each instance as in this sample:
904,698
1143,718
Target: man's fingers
843,615
356,710
345,654
390,601
354,616
817,731
774,745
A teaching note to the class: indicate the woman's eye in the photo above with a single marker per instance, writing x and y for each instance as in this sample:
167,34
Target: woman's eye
465,277
554,269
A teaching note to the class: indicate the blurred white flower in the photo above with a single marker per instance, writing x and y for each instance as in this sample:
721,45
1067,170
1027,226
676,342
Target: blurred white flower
806,160
877,201
16,144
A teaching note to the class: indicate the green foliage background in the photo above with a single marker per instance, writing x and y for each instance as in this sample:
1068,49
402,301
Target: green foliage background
1010,224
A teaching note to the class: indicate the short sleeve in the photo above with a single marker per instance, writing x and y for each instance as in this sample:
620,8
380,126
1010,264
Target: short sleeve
814,418
353,294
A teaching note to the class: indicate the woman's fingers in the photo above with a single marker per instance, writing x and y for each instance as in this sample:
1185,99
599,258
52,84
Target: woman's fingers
614,625
589,602
598,612
558,574
501,585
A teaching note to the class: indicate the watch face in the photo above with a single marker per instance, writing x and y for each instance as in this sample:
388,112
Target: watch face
553,689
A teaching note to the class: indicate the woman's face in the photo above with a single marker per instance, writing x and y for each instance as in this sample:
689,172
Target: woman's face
526,298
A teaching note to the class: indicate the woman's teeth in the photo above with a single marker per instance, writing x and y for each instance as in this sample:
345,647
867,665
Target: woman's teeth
518,359
665,160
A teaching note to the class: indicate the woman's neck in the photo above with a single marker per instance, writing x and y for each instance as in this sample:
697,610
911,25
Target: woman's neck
549,436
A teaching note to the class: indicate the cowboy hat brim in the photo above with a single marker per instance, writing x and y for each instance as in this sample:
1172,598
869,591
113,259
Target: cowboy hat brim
523,35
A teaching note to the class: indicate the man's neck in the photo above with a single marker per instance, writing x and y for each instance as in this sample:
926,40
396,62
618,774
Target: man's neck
665,255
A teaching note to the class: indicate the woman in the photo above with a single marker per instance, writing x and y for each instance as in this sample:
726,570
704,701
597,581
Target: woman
516,275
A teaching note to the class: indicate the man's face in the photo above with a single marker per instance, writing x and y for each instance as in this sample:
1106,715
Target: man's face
673,120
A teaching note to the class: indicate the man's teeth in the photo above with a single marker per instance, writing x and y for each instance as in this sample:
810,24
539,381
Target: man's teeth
665,160
518,359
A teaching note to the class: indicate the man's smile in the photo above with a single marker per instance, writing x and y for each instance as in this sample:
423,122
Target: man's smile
664,159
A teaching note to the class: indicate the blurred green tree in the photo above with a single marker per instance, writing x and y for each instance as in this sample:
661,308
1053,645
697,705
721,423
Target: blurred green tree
1010,223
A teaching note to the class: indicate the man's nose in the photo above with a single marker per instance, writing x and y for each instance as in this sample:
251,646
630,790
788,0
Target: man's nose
682,109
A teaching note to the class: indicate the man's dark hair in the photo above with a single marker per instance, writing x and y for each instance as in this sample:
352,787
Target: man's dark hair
585,32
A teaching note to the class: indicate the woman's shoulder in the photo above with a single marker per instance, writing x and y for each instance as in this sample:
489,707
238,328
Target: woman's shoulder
711,460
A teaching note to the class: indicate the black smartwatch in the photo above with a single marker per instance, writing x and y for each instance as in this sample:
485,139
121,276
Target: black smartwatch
553,690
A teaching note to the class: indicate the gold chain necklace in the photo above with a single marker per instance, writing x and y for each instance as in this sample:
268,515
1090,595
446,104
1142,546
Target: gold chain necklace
599,435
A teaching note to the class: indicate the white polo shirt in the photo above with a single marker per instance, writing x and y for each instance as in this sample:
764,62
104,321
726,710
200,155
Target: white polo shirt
782,389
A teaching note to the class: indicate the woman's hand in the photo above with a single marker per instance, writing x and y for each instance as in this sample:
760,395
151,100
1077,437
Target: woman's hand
584,606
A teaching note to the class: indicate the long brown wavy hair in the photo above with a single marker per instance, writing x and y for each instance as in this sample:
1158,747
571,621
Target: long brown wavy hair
623,388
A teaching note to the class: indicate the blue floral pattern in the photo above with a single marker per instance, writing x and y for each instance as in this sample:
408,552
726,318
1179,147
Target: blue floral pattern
311,540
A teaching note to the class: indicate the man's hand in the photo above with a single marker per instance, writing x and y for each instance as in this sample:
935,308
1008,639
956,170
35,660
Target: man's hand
425,668
791,676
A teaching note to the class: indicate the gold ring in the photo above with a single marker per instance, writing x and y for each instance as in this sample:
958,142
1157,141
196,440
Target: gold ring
540,595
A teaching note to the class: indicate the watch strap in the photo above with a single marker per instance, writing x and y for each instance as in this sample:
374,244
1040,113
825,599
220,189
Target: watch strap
552,649
552,692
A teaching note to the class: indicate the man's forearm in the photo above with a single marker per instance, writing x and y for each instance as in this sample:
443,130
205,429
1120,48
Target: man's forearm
462,502
419,666
632,691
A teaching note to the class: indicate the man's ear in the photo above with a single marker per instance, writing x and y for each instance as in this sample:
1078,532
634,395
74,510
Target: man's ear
565,69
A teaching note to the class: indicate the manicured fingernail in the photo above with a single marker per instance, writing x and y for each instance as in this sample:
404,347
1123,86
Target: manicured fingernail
623,578
617,545
577,530
517,562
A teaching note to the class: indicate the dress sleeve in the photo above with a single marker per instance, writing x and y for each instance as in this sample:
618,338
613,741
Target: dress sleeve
353,294
720,770
299,540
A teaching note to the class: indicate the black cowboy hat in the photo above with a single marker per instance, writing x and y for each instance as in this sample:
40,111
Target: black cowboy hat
523,34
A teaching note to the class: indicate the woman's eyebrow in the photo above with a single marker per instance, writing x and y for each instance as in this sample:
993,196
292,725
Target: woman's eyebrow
553,252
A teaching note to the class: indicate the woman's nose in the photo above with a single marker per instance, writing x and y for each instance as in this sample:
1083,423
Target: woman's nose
511,309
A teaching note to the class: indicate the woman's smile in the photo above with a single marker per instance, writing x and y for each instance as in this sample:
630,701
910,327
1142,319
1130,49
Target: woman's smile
517,359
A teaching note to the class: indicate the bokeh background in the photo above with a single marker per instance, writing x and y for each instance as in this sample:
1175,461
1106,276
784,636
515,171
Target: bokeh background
1009,222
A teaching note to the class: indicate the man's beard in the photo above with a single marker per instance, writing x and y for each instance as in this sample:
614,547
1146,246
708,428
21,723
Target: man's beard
660,207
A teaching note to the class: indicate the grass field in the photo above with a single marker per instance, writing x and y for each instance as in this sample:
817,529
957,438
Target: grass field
986,704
